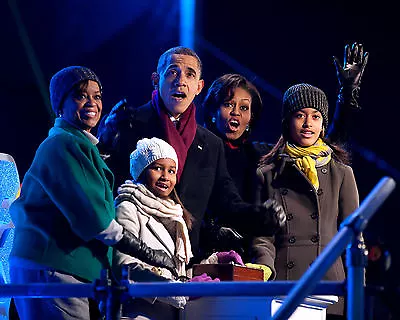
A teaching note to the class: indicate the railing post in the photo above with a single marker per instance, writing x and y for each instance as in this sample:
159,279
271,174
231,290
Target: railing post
356,260
109,295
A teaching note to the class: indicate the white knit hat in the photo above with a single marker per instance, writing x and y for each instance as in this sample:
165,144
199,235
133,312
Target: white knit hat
147,151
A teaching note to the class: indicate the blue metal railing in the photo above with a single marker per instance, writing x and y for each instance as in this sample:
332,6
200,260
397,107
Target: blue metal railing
111,294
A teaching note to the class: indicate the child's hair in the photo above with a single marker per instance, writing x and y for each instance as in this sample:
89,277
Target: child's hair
187,216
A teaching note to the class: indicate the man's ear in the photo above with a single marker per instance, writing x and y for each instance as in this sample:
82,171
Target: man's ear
200,86
155,78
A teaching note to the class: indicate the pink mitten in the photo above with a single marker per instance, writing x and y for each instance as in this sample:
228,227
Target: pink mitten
231,256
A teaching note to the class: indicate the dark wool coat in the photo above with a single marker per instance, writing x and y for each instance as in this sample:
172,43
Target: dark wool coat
204,174
312,216
242,160
242,164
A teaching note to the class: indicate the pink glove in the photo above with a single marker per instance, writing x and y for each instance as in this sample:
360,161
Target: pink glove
203,278
231,256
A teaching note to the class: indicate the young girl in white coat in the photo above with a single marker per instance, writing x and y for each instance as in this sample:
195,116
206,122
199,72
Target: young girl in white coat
149,207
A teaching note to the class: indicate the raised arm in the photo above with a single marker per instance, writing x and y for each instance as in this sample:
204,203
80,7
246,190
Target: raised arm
349,77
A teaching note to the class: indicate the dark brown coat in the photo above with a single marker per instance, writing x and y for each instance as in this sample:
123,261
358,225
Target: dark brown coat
313,216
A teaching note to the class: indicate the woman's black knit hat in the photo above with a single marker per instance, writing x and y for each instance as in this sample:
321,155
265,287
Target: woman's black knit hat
64,80
304,95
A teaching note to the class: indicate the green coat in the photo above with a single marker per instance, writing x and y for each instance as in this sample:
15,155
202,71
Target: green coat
66,200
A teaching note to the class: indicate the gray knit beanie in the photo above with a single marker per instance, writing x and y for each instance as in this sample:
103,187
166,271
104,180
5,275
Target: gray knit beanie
147,151
62,82
304,95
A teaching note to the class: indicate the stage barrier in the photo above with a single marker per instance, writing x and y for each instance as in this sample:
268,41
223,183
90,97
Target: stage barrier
110,294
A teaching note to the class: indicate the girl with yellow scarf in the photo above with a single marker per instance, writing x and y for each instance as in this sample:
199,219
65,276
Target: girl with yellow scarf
311,179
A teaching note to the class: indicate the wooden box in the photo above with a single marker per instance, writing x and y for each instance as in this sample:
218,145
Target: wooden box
229,272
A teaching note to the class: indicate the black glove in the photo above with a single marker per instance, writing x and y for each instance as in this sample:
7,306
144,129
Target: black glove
349,76
116,114
229,239
271,218
228,234
136,272
131,245
108,131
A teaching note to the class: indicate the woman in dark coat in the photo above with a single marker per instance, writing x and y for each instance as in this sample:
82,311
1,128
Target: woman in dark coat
232,105
310,178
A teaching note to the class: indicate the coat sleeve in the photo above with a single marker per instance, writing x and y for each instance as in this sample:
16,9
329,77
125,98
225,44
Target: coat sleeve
341,129
263,252
226,199
127,216
262,248
348,197
259,182
74,178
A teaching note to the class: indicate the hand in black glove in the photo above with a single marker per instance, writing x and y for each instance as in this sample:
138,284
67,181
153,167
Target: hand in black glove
109,128
229,234
229,238
116,114
272,216
131,245
276,211
136,272
349,75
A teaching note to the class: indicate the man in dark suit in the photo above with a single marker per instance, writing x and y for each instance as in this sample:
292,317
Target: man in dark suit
170,115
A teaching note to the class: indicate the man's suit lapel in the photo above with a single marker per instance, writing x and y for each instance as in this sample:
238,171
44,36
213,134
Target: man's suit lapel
196,153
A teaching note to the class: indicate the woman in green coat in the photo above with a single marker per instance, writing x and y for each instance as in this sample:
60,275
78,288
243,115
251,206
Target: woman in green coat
64,217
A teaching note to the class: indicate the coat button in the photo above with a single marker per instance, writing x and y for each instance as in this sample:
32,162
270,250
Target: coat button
314,215
292,240
284,192
289,216
324,170
320,192
290,265
314,239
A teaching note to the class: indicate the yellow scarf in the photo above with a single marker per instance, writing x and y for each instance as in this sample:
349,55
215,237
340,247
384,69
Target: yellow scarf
307,159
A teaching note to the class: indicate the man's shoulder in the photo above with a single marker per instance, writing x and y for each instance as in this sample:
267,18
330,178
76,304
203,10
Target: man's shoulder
206,135
145,107
144,111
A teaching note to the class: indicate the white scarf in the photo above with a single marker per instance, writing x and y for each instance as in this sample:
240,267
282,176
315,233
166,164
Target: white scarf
169,213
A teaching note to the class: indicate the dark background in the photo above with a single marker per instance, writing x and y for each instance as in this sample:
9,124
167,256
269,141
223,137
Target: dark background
273,44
